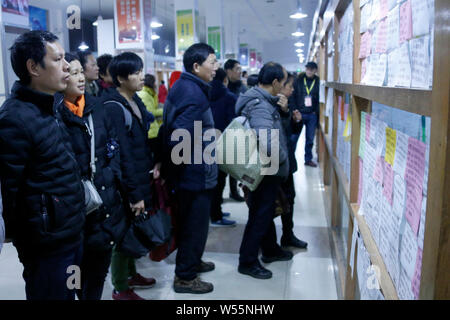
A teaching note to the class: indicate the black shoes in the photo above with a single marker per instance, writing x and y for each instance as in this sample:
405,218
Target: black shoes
293,241
236,197
284,255
196,286
205,267
311,164
257,271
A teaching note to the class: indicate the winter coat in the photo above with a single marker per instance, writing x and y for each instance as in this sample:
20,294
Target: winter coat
222,105
135,154
150,100
43,196
105,226
300,93
188,102
237,87
162,94
261,109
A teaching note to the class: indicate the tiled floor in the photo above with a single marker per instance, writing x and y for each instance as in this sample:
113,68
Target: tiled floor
309,275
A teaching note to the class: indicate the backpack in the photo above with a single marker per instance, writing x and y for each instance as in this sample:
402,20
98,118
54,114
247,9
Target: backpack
126,114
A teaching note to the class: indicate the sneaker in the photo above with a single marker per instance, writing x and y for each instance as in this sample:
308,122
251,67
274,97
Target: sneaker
141,282
284,255
311,164
225,214
223,223
128,294
257,271
205,267
196,286
293,241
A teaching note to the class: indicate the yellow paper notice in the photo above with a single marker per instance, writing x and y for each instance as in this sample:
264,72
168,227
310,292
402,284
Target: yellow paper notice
391,140
348,128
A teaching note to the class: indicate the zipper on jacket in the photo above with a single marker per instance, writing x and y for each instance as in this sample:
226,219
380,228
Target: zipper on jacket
44,213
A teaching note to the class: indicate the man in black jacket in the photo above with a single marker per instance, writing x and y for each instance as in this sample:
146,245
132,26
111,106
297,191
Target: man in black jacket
42,192
235,85
306,100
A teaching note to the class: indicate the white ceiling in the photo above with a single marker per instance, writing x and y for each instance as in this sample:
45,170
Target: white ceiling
264,21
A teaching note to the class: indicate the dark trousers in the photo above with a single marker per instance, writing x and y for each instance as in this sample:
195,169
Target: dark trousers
310,121
287,218
217,199
46,278
192,223
94,268
233,186
260,229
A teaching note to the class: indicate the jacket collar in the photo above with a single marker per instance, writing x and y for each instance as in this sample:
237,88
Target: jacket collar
272,99
74,119
44,101
202,84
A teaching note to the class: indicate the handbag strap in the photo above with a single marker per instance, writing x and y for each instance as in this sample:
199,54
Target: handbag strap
91,127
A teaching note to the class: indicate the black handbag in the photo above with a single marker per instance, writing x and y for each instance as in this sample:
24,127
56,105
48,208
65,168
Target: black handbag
146,231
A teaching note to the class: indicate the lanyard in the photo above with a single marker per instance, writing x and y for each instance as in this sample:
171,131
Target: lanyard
308,90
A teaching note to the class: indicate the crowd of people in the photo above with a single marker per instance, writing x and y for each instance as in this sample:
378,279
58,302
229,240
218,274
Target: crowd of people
73,119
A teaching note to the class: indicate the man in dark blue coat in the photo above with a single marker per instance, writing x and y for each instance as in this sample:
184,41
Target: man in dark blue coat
187,114
223,102
43,195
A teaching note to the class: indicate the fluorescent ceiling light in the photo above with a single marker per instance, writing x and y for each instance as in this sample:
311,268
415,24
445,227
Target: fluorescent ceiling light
155,36
299,50
298,34
298,15
83,46
99,18
156,24
299,44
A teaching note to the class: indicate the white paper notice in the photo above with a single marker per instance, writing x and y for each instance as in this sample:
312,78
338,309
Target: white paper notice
392,3
420,17
384,239
408,251
398,205
404,67
401,153
393,58
375,12
430,72
379,70
419,62
404,289
365,17
354,238
420,236
393,28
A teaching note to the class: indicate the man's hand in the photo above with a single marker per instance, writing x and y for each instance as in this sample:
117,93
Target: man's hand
157,170
297,116
283,102
138,207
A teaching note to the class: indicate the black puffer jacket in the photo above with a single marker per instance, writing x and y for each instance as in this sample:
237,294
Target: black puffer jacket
135,154
39,174
106,226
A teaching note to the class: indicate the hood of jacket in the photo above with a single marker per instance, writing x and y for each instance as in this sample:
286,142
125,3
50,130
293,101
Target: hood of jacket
252,94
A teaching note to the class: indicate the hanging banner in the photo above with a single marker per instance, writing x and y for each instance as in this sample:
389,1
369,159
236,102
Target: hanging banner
252,58
259,63
214,39
243,54
128,24
185,30
15,12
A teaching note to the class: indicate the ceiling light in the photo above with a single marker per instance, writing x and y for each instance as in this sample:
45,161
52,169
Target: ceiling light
156,24
83,46
298,34
299,44
155,36
299,14
299,50
95,23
